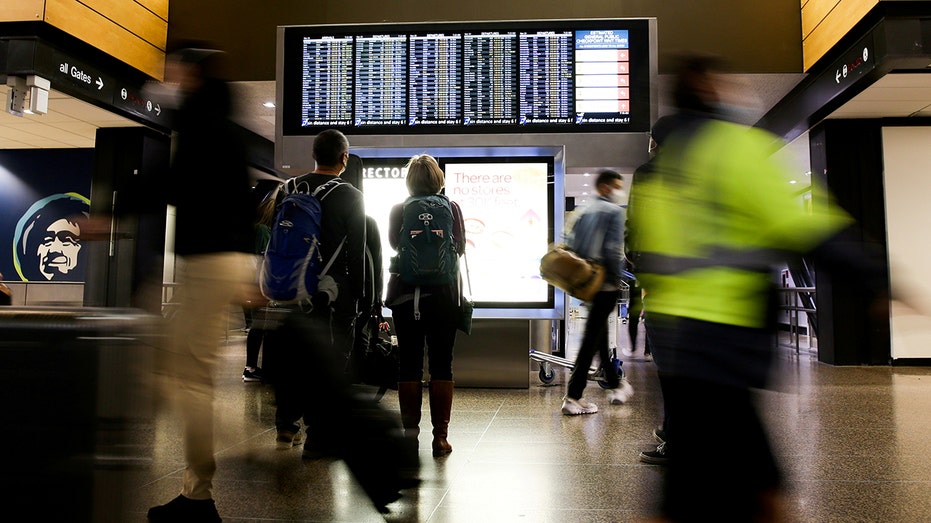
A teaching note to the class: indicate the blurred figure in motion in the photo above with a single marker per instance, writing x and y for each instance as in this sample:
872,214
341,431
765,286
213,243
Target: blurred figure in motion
596,231
208,170
709,225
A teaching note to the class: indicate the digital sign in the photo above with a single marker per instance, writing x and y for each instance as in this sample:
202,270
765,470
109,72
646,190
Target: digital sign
543,76
508,201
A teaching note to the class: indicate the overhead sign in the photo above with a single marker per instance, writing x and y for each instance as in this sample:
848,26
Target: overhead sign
78,77
845,71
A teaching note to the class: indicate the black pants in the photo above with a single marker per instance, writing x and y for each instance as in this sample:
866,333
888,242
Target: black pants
434,332
595,341
713,419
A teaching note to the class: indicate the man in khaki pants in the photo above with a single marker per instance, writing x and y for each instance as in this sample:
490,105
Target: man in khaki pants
208,171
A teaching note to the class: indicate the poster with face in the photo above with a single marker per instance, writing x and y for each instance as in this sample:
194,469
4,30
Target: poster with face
43,211
47,239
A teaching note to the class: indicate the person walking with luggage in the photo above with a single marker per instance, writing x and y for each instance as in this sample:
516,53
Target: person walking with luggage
425,307
596,231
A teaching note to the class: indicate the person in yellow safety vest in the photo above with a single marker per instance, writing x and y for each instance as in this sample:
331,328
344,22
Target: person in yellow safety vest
707,228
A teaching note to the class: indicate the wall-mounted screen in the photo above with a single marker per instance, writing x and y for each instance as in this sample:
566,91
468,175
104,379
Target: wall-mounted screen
483,77
511,200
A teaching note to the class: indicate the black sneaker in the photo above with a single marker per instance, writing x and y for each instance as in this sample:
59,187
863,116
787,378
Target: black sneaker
659,435
250,374
185,510
655,457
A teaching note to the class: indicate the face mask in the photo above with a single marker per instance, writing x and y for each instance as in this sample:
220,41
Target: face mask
618,196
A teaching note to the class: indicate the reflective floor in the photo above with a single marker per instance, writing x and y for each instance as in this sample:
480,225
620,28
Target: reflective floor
854,442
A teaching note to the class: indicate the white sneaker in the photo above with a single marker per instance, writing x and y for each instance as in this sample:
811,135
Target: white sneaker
571,407
621,394
627,352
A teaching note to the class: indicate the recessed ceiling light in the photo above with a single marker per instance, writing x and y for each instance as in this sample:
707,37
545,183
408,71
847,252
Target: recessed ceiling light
584,185
584,193
586,174
270,105
793,181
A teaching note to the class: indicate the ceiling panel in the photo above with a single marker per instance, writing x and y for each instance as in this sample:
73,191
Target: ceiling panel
70,123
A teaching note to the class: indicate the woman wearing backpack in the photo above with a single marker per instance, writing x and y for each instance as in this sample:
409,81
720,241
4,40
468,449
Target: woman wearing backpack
423,295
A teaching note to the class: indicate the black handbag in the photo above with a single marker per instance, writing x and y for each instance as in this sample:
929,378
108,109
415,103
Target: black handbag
381,361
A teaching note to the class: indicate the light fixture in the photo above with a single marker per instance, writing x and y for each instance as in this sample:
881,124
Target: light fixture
270,105
793,182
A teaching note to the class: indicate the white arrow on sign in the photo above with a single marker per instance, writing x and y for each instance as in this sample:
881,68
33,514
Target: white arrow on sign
158,110
99,83
837,76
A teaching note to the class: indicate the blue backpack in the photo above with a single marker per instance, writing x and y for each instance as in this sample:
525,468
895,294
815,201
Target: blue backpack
293,266
426,251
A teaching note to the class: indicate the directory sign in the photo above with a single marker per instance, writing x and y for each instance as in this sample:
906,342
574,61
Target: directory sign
544,76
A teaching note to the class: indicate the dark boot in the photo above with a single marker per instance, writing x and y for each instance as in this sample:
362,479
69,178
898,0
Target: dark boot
441,403
410,396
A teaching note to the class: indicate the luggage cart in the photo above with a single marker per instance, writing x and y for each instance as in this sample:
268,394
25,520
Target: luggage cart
547,373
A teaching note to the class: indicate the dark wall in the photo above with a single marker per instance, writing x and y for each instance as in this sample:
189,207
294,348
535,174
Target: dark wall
846,155
756,37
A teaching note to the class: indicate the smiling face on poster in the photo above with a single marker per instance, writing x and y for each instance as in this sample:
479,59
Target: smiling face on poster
48,239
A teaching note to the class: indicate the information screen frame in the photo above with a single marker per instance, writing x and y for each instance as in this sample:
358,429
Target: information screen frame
572,55
374,161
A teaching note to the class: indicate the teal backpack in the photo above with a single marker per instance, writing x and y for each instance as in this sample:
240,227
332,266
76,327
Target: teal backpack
427,250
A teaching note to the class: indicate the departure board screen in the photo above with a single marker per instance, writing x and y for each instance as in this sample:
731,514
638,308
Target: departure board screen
489,78
326,94
381,80
543,76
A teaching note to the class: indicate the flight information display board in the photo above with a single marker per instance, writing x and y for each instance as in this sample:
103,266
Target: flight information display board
544,76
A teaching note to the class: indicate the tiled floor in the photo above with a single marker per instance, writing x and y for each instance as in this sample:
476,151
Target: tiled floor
855,443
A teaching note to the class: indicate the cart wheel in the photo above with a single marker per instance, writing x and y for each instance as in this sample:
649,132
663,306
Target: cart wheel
547,375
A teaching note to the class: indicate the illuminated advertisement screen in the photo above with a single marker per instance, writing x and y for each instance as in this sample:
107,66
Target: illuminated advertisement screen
481,77
510,206
505,205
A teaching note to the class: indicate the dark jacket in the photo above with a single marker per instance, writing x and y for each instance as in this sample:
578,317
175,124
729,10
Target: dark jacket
209,181
374,283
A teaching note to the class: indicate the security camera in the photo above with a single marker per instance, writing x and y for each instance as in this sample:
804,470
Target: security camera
38,94
16,97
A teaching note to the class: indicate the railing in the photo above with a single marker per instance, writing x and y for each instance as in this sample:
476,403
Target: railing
794,307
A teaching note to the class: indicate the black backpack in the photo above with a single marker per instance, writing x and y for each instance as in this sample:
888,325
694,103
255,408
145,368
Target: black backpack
427,250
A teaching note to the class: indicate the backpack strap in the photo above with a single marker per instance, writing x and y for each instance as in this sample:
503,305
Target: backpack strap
326,188
417,302
333,257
